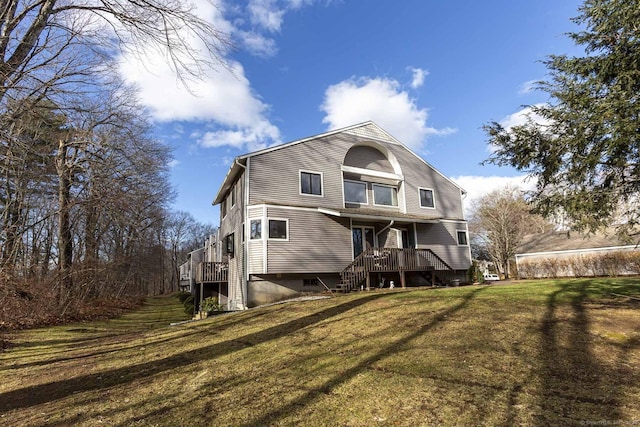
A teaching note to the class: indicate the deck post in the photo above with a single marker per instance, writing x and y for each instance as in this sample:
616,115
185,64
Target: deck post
368,281
402,279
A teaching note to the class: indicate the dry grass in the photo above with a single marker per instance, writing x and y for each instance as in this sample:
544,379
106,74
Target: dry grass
530,353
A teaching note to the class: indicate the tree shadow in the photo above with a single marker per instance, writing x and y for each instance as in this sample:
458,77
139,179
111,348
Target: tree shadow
574,386
326,388
43,393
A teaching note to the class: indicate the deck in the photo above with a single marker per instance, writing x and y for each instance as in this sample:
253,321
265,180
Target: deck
212,272
388,260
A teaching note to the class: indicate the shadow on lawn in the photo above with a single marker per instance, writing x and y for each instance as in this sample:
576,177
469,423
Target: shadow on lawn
574,386
281,413
40,394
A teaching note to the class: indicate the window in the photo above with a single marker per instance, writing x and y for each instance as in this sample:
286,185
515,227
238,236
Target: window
278,229
355,192
310,282
462,238
385,195
426,198
256,229
229,244
233,196
223,208
311,183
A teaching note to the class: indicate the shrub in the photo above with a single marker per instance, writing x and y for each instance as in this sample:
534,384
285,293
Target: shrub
210,305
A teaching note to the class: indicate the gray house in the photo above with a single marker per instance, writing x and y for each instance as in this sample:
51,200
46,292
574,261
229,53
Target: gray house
349,209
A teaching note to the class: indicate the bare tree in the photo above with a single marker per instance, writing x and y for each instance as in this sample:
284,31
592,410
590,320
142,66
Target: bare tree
499,221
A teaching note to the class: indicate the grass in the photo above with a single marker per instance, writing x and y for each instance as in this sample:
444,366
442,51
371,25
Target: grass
561,352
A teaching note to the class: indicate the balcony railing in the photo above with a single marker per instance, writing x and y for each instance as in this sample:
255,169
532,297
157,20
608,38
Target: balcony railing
212,272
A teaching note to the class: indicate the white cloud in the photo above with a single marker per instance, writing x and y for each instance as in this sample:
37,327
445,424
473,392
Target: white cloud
478,186
253,138
222,98
520,118
418,77
266,14
173,163
257,44
527,87
381,100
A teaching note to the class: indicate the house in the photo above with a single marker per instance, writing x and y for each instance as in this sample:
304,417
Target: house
572,254
349,209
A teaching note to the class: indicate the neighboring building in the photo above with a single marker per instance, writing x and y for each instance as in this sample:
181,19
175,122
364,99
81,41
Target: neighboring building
347,209
571,254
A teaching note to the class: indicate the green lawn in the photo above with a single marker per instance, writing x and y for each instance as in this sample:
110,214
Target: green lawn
529,353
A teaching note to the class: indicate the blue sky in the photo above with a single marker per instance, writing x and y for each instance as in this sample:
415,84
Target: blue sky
430,72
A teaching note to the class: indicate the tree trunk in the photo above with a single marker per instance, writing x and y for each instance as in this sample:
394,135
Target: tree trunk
65,241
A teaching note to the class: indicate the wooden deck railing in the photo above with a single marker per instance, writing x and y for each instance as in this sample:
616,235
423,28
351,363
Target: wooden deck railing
212,272
377,260
185,271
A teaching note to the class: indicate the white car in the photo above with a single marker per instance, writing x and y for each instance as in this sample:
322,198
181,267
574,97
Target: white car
490,277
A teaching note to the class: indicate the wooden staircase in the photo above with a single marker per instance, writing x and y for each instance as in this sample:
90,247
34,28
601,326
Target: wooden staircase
395,260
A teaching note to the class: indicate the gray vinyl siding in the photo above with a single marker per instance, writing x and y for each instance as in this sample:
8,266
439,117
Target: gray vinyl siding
442,239
275,175
388,238
233,223
317,243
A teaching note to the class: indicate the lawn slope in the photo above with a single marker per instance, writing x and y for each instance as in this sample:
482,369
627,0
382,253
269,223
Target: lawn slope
530,353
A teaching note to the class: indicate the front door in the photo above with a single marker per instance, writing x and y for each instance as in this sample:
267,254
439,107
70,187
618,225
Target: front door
363,239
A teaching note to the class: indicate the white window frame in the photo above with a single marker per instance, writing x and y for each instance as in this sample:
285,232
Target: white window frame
300,172
373,190
223,208
466,235
286,220
433,195
233,195
366,192
261,229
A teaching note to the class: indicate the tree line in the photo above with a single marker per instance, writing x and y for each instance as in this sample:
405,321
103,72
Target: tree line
84,187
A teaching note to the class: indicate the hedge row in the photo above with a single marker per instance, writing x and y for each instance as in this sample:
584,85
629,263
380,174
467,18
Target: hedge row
619,263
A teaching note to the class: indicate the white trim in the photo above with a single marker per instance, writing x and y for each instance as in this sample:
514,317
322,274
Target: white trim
300,172
454,221
374,217
371,172
433,196
233,194
466,234
265,246
275,239
293,208
366,192
373,190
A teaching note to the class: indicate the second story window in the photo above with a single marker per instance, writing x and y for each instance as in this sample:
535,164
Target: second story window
233,196
311,183
462,238
385,195
355,192
426,198
223,208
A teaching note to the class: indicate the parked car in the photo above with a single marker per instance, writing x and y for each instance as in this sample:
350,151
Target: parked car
490,277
